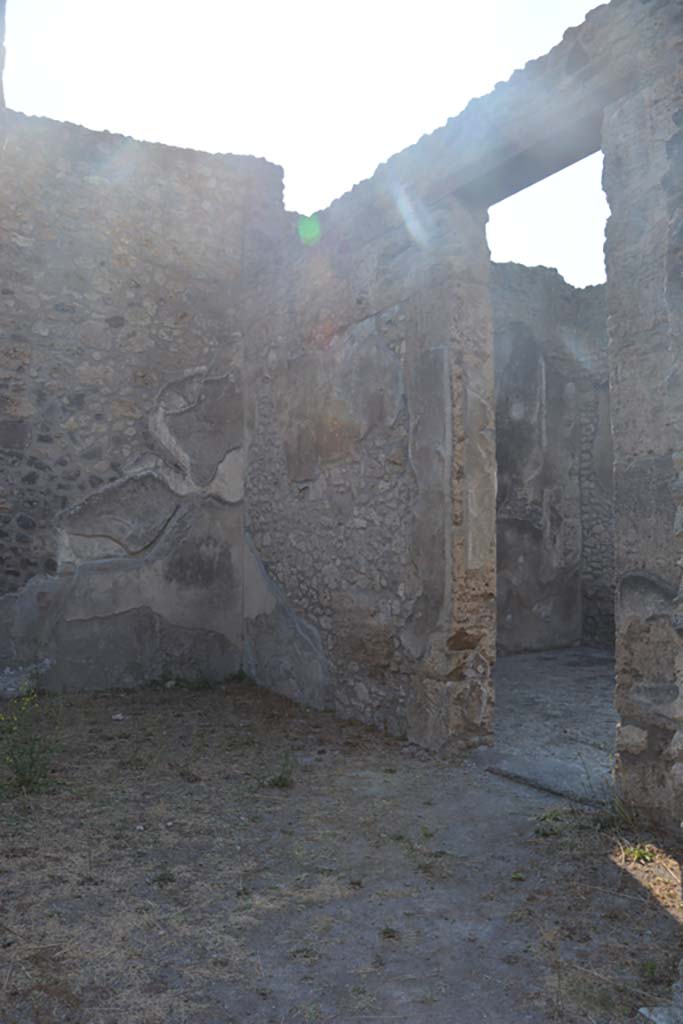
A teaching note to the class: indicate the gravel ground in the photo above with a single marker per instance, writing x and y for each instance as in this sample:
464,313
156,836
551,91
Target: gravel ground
222,856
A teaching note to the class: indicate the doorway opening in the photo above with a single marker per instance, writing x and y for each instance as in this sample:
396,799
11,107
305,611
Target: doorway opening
554,679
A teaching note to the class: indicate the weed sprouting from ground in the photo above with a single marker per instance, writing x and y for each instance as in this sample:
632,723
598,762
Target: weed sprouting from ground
164,876
284,778
24,747
623,980
640,853
617,816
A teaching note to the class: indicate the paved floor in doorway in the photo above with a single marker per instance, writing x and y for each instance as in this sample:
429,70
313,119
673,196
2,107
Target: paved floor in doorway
555,721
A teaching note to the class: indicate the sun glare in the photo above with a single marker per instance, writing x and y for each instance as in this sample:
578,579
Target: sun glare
327,91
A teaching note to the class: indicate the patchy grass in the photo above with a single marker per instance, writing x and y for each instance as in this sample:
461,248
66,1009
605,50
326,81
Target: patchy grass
627,971
166,878
641,853
25,744
284,778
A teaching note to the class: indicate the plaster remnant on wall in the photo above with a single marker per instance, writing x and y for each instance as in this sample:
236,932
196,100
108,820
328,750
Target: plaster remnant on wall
328,400
122,518
208,428
281,650
228,482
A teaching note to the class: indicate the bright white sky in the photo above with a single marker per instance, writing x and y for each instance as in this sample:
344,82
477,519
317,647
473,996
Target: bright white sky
326,89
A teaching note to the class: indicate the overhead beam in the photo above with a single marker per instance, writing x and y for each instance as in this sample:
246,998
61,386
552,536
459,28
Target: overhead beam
544,118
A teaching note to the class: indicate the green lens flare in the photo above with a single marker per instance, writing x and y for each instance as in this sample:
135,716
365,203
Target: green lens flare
309,230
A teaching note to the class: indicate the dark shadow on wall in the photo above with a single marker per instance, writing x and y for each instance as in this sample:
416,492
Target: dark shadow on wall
554,679
555,533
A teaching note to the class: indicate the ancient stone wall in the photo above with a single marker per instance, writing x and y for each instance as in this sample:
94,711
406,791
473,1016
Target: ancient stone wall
554,508
163,328
595,471
121,414
643,143
370,473
141,284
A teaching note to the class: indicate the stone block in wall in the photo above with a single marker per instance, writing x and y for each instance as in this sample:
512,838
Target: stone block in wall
15,433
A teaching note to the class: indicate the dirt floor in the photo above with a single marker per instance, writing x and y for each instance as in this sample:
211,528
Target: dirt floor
222,856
